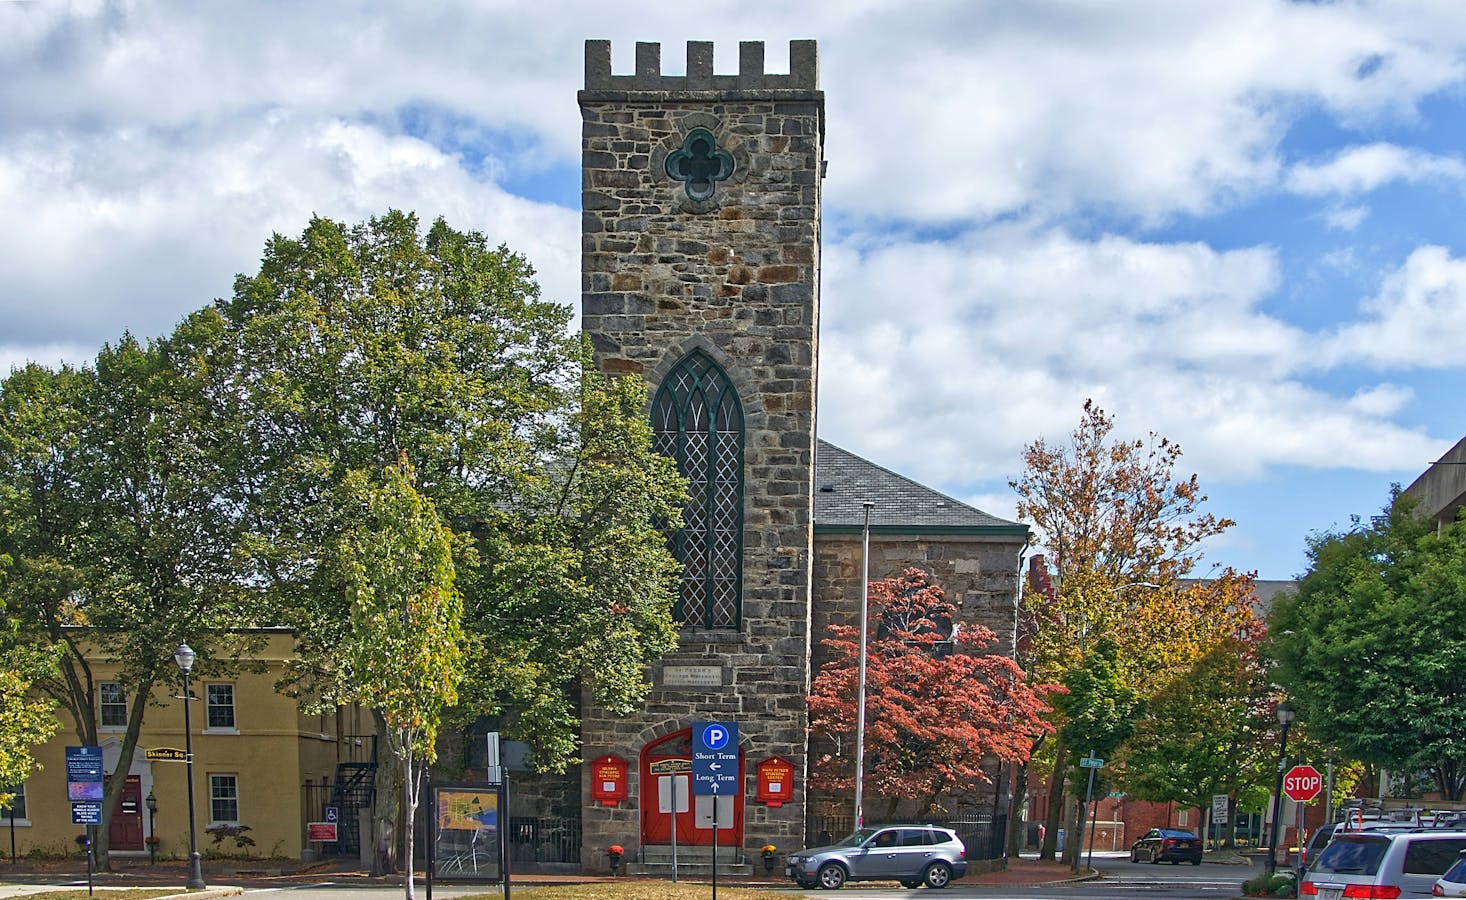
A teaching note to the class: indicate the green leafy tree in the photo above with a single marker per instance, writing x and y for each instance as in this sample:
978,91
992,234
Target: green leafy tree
403,651
121,547
354,344
1099,709
1209,730
1370,648
25,719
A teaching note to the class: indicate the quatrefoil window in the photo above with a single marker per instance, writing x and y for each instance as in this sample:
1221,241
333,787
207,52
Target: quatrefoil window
699,164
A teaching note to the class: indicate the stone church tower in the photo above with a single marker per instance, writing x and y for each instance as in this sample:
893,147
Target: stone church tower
700,272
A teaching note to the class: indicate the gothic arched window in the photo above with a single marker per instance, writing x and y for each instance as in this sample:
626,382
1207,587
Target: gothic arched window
698,421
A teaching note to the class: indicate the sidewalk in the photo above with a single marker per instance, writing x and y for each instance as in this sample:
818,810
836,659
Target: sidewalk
230,877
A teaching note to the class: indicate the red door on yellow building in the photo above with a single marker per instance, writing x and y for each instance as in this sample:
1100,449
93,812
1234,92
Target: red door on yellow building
126,831
667,801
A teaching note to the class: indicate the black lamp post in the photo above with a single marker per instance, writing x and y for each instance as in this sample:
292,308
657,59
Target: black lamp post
1285,718
185,656
152,803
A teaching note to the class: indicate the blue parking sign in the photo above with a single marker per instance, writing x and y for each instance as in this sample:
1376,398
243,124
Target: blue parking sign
715,758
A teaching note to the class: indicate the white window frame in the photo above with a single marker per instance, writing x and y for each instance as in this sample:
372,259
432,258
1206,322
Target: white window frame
103,706
209,706
215,797
23,818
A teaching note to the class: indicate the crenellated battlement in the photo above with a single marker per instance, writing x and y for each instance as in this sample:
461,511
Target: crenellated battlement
803,69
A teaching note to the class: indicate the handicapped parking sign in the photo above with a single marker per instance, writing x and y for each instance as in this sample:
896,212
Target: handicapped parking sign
332,814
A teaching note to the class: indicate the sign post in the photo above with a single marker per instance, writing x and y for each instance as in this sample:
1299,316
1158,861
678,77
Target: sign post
1301,784
1090,762
715,770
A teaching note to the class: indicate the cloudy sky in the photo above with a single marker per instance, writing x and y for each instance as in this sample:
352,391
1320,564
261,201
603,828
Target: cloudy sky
1237,225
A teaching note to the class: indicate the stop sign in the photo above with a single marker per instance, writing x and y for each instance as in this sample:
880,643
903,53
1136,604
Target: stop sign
1302,783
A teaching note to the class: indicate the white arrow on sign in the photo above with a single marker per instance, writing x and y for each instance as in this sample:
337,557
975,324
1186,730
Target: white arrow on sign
714,766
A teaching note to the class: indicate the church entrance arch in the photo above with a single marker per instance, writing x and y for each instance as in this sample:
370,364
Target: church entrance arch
667,801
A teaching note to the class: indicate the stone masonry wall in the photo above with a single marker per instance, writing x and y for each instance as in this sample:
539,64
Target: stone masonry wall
737,276
978,574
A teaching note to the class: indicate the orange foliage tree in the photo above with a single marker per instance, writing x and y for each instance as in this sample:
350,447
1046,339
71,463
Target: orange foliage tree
1120,532
938,705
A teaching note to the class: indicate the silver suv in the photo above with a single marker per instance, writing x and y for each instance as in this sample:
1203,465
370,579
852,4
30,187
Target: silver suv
911,854
1382,864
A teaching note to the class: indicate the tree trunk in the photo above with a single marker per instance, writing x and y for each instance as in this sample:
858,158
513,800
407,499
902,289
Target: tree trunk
1017,828
1074,840
409,807
1055,801
386,803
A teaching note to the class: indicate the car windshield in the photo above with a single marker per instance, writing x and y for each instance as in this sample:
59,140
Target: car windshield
1352,854
858,838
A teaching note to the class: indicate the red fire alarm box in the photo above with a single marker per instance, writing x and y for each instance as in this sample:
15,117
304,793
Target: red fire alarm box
608,780
775,781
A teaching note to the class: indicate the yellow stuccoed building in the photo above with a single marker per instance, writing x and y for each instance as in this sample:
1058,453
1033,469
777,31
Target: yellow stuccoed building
259,762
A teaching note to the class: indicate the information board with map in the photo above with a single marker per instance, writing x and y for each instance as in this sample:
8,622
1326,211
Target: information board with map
467,832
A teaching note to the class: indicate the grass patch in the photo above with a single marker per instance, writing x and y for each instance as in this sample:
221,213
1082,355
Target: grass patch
638,890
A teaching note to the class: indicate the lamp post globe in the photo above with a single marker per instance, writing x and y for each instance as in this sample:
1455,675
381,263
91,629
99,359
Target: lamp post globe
184,657
1285,719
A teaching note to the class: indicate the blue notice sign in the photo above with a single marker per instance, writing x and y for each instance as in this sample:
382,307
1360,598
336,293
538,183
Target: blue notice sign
715,758
83,773
86,813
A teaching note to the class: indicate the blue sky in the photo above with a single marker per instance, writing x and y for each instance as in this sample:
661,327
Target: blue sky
1235,225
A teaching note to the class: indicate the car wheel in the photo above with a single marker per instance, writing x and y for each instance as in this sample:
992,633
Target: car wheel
832,876
1175,862
1196,862
1134,855
911,884
1155,857
938,875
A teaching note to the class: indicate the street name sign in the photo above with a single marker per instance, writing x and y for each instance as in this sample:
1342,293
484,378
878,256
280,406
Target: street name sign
1302,783
714,758
1091,762
166,754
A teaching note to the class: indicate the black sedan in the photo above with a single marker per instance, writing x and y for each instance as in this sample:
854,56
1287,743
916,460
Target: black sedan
1167,845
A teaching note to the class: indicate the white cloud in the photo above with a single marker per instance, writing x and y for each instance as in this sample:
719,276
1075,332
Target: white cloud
1345,218
133,228
1359,170
1016,329
1415,321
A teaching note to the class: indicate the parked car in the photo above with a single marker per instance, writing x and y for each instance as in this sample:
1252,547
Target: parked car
1326,832
911,854
1167,845
1453,883
1382,864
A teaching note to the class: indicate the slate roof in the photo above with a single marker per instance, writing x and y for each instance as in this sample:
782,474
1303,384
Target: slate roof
842,481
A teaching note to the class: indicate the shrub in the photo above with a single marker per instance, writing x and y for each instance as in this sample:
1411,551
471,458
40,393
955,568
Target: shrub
1279,885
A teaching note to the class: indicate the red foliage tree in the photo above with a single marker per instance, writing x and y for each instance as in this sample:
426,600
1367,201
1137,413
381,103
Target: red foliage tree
938,706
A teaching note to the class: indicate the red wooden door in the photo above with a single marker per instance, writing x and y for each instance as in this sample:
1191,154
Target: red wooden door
126,832
667,800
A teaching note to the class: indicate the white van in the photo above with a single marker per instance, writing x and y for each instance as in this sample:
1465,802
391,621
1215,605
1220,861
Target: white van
1382,865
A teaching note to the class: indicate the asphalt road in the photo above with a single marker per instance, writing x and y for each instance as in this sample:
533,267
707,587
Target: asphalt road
1121,880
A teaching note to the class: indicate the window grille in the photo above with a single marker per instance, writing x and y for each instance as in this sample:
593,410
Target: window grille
224,798
698,421
112,705
221,705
